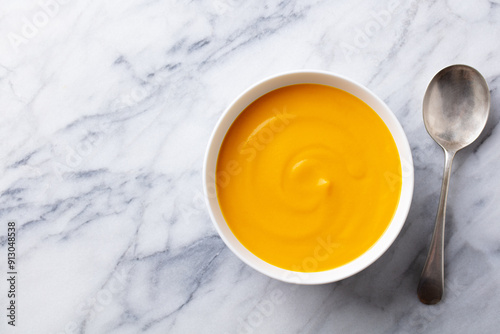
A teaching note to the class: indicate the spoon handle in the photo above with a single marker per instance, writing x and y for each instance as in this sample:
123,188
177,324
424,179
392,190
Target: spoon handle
431,285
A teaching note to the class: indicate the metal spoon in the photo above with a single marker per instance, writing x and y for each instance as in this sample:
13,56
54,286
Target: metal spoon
456,107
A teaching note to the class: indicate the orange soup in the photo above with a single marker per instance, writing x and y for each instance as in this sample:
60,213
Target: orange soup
308,177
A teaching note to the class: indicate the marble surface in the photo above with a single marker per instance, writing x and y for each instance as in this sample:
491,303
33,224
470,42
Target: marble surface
106,110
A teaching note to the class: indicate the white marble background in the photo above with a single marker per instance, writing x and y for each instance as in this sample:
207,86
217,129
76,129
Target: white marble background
106,108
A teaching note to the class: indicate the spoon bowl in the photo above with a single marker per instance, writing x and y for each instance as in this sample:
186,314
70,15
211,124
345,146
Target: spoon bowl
455,109
456,106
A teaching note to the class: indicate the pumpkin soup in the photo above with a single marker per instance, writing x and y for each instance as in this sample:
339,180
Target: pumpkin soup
308,177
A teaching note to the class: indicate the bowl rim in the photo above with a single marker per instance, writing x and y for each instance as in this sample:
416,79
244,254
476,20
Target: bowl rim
217,136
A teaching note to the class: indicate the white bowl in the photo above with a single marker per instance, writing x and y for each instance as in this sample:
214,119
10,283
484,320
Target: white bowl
209,167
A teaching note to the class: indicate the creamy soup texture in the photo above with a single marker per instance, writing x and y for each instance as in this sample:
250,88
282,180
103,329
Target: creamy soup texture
308,177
